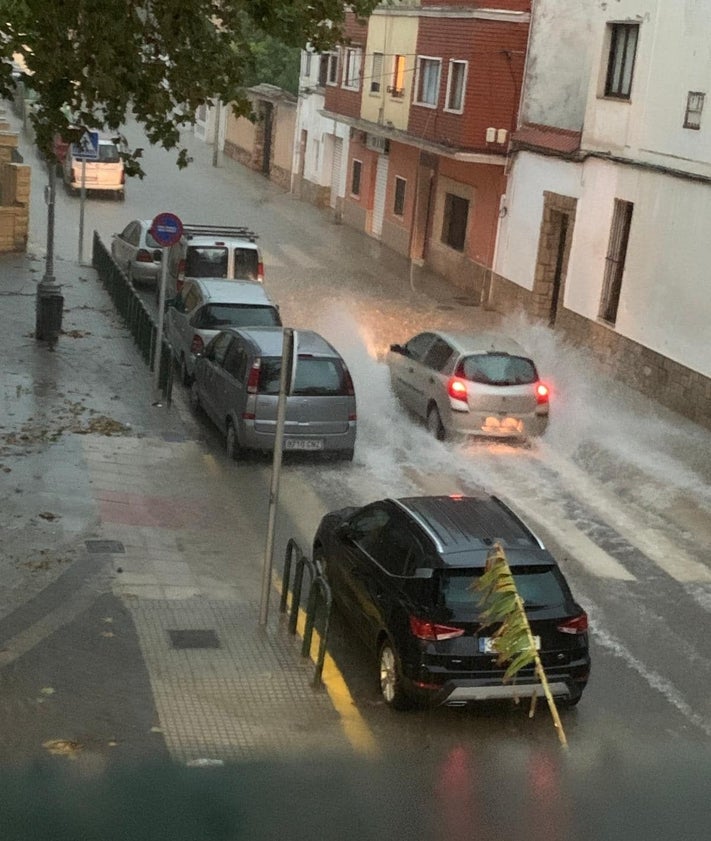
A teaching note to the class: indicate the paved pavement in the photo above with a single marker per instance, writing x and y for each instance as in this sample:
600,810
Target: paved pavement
121,634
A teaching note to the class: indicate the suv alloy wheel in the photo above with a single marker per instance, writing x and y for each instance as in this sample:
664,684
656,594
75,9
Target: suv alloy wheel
390,681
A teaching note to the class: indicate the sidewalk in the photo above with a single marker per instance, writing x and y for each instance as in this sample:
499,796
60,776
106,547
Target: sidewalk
116,585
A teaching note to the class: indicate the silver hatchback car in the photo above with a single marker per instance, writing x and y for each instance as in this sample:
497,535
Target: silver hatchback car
204,306
236,383
478,384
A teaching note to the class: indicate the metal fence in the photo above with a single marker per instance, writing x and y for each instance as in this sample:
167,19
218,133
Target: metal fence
135,314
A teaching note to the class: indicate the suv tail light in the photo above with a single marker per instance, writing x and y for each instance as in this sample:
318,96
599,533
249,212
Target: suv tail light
197,345
143,256
425,630
457,389
123,176
542,393
181,270
253,379
576,625
74,175
260,271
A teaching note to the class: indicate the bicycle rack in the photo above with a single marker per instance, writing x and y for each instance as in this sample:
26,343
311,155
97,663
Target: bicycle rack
318,587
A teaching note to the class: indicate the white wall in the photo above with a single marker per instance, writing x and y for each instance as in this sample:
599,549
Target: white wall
558,64
318,160
673,58
665,303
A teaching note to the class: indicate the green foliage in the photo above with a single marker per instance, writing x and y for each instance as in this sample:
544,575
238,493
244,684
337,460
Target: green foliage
105,60
274,62
501,603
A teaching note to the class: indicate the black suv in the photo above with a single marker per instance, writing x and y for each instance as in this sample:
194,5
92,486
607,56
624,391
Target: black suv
402,571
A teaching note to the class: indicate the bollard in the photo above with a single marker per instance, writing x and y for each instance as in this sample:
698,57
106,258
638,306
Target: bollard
50,304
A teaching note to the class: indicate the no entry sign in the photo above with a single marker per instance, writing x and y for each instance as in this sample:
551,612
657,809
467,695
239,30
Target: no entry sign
166,229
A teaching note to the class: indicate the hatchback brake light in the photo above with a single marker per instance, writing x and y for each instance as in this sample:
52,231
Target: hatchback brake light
457,388
197,345
542,393
143,256
260,271
181,270
253,379
425,630
576,625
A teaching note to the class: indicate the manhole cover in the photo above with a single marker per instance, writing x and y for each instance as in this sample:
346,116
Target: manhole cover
99,547
193,639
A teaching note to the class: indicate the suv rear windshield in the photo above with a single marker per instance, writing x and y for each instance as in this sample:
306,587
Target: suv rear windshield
538,586
108,153
497,369
216,316
206,261
315,377
246,264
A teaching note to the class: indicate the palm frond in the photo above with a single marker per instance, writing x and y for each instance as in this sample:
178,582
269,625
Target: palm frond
513,642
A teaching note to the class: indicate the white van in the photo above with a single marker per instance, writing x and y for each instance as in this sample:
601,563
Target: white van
217,251
106,174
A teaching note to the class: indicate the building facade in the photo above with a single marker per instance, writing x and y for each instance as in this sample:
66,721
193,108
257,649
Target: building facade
421,100
609,191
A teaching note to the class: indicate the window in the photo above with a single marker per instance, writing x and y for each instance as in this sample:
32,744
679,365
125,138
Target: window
366,526
235,362
398,551
427,84
456,84
454,224
399,204
315,377
307,64
376,73
218,347
615,260
206,261
417,346
246,263
694,107
397,89
620,63
332,68
355,178
438,355
323,63
497,369
351,68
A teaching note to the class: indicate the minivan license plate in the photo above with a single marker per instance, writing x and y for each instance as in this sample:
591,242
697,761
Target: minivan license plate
486,645
309,444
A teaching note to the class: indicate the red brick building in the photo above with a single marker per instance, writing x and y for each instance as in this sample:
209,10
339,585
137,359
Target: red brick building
431,93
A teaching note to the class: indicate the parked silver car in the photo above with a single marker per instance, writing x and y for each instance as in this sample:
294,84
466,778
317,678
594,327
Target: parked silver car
237,382
204,306
462,383
136,252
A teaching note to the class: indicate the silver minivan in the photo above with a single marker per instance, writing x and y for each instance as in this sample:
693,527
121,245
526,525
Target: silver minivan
236,383
204,306
470,384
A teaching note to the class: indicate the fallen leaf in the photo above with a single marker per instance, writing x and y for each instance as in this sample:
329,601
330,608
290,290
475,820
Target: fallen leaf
63,747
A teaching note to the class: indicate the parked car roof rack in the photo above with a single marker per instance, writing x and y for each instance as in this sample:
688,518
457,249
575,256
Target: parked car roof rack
218,230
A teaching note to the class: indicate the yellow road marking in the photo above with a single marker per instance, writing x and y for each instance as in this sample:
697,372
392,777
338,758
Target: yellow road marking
211,464
355,729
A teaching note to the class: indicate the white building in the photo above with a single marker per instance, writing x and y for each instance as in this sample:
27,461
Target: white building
321,144
607,225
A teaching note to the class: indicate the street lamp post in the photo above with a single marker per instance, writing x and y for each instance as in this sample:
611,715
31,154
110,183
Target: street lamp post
50,302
